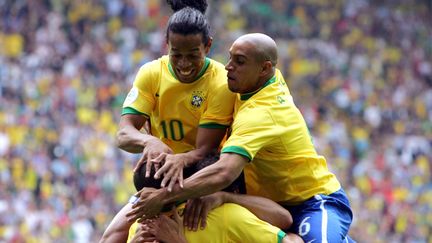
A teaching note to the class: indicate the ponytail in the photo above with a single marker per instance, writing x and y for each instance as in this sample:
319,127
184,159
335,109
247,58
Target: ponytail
188,18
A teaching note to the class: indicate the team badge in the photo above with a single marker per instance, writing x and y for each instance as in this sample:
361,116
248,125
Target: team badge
197,99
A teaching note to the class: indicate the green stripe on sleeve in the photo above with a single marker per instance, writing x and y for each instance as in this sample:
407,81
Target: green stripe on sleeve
238,150
281,235
213,125
130,110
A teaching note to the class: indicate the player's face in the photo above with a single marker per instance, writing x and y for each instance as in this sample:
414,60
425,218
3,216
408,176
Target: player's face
243,68
187,55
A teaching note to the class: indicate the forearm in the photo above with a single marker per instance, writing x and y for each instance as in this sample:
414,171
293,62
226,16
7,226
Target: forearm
193,156
132,140
206,181
263,208
118,229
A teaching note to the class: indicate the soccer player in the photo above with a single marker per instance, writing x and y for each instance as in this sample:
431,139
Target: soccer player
271,141
183,95
231,218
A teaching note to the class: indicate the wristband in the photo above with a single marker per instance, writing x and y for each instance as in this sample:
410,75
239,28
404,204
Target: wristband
133,199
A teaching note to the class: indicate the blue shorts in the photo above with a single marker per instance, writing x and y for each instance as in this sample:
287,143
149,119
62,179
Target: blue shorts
323,218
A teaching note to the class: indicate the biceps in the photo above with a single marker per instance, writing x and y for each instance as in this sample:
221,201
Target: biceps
136,121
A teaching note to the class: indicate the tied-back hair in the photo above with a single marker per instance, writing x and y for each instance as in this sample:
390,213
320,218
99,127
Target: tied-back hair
188,18
140,181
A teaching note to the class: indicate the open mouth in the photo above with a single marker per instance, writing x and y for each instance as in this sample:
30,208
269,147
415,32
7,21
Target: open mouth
185,73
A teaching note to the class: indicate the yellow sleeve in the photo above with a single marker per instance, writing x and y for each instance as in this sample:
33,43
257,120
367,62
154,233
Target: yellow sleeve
244,226
221,100
253,129
141,99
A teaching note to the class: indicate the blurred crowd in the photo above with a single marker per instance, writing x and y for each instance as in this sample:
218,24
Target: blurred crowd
359,70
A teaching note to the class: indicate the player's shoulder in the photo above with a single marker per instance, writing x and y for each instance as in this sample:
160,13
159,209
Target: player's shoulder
217,65
152,70
155,65
252,115
216,71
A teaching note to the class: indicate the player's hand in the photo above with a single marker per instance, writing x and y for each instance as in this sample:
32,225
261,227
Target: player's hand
172,170
166,229
143,235
152,150
197,210
147,206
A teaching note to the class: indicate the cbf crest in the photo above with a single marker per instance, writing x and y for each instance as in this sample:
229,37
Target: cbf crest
197,99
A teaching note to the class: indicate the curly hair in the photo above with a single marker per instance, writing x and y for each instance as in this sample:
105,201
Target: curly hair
177,5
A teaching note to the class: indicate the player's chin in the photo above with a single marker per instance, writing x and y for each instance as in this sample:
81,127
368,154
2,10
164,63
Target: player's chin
232,85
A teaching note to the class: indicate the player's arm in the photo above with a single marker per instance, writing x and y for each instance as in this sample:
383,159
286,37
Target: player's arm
265,209
130,138
118,229
207,141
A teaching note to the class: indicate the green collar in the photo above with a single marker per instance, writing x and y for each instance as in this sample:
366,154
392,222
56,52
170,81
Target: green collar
200,74
248,95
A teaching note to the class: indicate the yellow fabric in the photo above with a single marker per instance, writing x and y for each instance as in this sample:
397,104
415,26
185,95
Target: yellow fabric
270,130
177,109
228,223
132,231
13,45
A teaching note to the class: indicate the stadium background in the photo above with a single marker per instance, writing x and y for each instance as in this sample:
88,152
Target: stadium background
360,71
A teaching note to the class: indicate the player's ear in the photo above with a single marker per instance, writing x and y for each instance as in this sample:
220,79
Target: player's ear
266,68
208,45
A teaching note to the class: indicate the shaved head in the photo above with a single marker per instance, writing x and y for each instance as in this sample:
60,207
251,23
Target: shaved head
252,62
264,46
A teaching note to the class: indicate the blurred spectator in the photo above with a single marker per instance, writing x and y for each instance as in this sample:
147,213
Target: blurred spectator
361,72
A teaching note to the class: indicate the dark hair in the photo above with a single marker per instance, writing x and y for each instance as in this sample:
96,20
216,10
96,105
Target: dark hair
140,181
188,18
177,5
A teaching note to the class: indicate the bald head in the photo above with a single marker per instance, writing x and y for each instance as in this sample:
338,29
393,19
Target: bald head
264,46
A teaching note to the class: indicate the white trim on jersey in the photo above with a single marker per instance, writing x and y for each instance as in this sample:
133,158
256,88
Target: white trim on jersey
324,219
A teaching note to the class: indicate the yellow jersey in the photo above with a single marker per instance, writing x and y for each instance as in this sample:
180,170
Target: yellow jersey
229,223
176,109
270,131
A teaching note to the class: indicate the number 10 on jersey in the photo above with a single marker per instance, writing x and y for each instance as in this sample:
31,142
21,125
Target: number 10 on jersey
173,130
